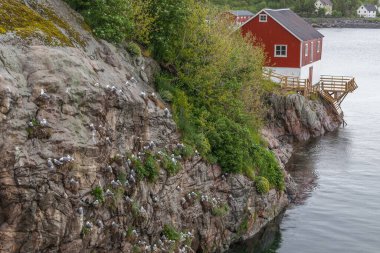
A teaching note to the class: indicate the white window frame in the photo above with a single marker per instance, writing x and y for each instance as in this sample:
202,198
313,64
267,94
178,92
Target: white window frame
265,16
281,55
318,46
306,49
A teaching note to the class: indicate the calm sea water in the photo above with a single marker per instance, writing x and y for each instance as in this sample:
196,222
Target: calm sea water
340,173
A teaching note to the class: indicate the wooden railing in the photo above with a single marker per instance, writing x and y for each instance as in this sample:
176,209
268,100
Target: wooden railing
289,82
332,88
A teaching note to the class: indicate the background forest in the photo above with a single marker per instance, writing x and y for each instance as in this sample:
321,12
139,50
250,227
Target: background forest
342,8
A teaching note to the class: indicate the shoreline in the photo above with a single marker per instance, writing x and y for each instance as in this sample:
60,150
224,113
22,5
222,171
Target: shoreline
359,23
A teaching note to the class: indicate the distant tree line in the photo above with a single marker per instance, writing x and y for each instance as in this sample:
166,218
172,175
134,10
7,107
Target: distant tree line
342,8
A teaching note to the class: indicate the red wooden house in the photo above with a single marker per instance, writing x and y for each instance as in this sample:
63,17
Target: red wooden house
293,47
239,17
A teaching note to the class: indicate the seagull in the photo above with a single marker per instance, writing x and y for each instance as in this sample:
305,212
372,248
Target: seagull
109,169
96,203
92,127
183,201
134,232
89,225
96,84
56,162
143,95
30,123
93,136
43,122
114,184
109,193
50,164
167,112
73,181
114,224
43,94
108,140
100,224
80,210
65,159
113,88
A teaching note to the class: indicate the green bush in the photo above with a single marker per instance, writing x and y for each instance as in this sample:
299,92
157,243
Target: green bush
133,49
98,194
267,166
262,185
170,166
220,210
151,167
111,20
171,233
139,168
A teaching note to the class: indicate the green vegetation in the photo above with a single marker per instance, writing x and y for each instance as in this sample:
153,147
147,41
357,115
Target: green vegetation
40,23
171,233
133,49
98,194
346,8
151,167
262,185
243,227
212,78
220,211
172,167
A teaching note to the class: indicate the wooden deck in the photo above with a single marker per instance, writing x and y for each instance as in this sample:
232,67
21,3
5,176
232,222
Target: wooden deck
333,89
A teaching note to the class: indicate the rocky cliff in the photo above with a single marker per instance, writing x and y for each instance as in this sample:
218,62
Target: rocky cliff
77,120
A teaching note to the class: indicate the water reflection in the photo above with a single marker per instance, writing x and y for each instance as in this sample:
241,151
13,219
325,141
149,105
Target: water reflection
267,240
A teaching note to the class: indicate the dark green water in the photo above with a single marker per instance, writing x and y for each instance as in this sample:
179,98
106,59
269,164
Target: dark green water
339,210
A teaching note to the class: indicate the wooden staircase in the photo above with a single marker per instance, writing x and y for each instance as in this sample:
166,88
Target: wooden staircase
332,89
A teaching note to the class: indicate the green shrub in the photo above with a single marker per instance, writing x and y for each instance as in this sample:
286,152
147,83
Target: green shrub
133,49
267,166
262,185
170,166
122,177
220,211
111,20
97,192
171,233
139,168
151,167
243,227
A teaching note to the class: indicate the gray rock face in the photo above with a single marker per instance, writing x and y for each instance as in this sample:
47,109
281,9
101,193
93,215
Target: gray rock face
93,112
294,118
68,116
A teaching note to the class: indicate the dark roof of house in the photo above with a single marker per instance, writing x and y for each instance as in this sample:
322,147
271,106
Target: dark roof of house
294,24
242,13
370,7
326,2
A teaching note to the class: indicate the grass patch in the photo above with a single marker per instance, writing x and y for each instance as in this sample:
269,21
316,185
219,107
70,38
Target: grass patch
98,193
171,233
262,185
220,211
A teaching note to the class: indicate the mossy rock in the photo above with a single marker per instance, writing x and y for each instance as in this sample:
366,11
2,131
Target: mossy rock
41,23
